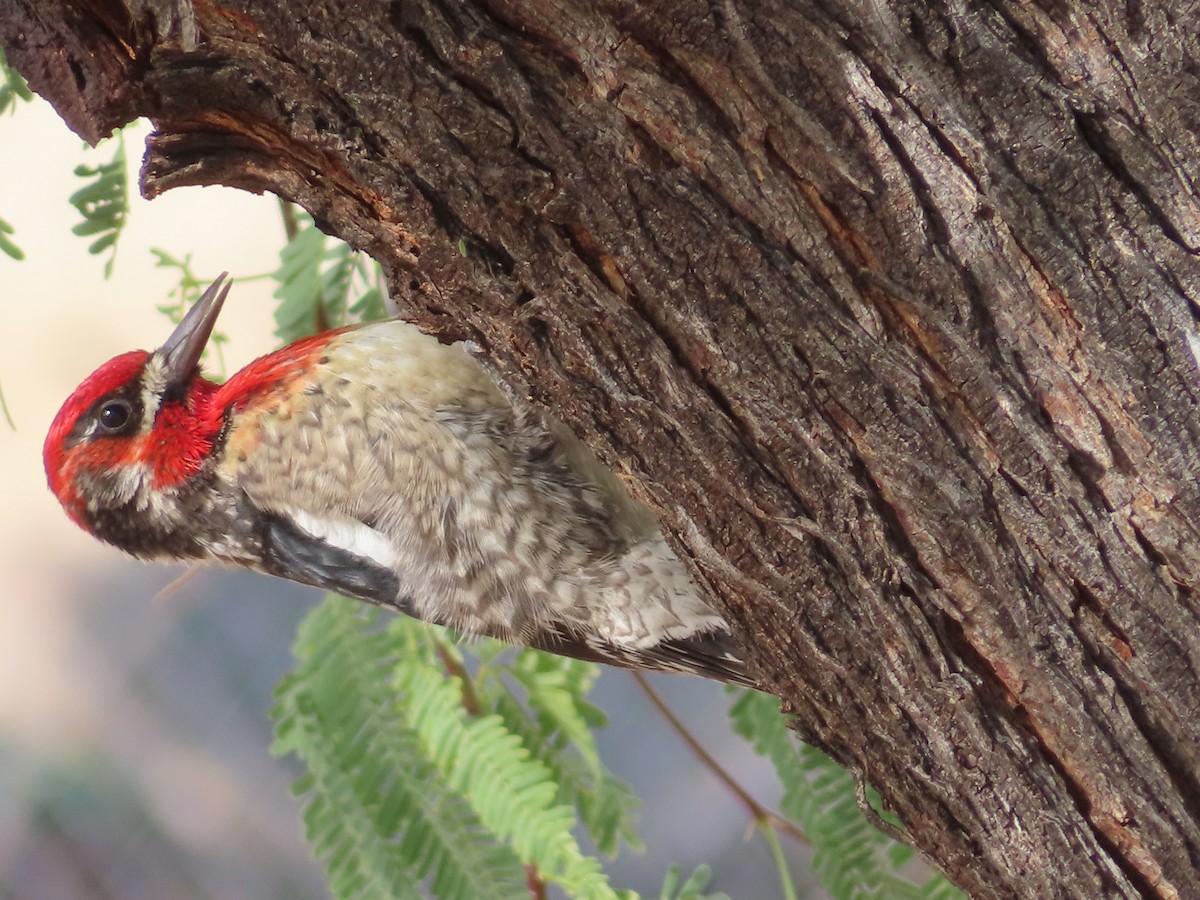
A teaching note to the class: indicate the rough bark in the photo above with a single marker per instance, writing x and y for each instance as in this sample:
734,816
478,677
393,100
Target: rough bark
888,310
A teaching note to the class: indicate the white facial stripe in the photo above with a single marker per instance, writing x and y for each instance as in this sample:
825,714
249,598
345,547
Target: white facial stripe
117,486
154,384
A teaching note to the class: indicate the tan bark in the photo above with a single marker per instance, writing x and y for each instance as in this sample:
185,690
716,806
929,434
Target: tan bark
888,310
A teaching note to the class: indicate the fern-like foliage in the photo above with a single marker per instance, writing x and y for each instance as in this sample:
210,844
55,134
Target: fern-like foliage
850,856
467,782
379,816
183,296
676,887
509,788
316,278
543,698
13,89
104,203
7,246
463,777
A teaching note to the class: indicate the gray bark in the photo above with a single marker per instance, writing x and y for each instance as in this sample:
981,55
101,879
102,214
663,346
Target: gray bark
887,310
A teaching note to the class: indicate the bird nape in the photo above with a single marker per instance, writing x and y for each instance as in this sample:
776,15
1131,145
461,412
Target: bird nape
374,461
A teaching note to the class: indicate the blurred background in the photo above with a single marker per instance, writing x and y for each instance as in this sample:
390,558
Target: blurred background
134,735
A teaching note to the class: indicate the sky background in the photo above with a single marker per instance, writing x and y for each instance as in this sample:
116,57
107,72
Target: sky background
133,736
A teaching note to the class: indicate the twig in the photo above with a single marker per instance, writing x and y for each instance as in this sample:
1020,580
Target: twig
537,887
759,812
287,212
871,814
785,876
7,416
175,584
470,699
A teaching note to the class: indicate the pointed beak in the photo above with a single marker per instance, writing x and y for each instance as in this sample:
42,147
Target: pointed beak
181,352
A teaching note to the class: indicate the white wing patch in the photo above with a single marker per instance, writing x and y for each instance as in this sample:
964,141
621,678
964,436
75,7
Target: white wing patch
347,534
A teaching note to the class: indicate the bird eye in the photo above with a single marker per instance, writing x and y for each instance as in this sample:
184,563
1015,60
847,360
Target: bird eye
114,415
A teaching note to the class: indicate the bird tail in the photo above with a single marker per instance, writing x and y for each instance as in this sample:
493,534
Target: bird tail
710,654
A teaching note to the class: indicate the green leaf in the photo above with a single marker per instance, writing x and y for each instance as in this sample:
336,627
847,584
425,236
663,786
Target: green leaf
315,280
7,247
184,294
299,283
547,706
509,788
103,243
369,305
556,688
12,87
850,856
378,815
103,203
690,889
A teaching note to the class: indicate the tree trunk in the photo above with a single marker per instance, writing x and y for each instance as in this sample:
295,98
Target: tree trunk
887,309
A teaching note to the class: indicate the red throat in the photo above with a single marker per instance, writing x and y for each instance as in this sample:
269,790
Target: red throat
182,435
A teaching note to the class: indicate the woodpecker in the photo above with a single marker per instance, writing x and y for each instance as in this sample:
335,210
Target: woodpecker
377,462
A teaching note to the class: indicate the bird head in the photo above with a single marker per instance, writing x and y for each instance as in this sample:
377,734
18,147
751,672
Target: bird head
139,426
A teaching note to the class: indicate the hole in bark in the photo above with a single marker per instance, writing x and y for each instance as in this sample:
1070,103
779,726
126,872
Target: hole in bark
1152,553
396,14
1088,470
1017,487
77,71
539,331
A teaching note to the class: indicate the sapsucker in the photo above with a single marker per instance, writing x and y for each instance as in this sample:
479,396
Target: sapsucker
375,461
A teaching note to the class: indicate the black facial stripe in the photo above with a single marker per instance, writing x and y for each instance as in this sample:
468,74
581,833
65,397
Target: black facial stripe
177,390
90,420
